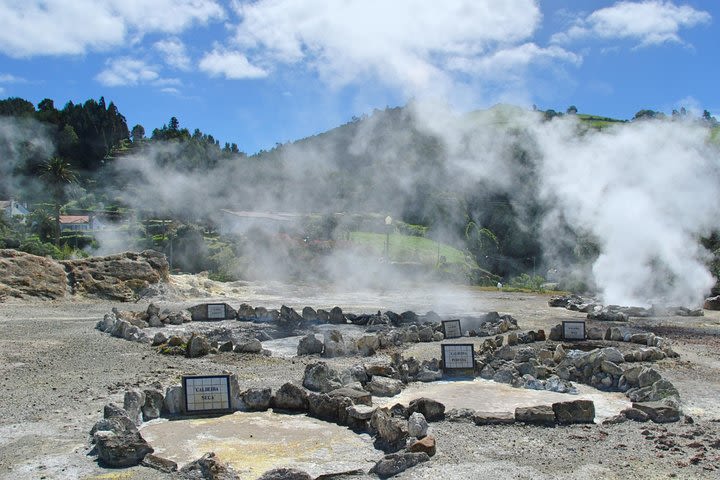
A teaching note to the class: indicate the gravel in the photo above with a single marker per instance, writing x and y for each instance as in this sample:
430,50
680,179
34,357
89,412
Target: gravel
57,372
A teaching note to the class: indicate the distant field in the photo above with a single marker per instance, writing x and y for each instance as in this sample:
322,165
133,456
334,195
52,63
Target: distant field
597,121
405,248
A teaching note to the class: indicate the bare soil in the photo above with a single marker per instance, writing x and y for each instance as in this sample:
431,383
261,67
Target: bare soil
57,372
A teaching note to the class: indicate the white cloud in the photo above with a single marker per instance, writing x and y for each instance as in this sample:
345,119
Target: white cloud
127,71
174,53
9,78
71,27
230,64
405,43
651,22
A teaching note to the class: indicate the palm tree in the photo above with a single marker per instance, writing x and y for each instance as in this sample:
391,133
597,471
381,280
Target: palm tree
57,174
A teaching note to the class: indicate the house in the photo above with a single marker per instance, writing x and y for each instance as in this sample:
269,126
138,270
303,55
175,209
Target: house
11,208
80,223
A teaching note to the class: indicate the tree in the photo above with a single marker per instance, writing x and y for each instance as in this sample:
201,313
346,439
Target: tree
572,110
138,133
174,124
57,174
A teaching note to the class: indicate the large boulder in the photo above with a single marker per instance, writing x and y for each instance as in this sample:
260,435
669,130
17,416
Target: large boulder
659,412
712,303
119,450
320,377
384,386
391,431
212,312
25,275
257,399
578,411
290,397
540,415
309,345
197,346
432,410
116,277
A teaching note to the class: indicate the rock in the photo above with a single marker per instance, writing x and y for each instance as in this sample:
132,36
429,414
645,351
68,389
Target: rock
426,334
319,377
395,463
336,316
424,445
426,375
334,344
120,450
556,333
712,303
559,354
197,346
367,345
290,397
384,386
357,397
174,400
329,408
417,425
504,375
159,338
459,415
251,345
380,369
616,335
158,463
493,418
116,277
154,401
309,345
391,430
226,346
155,322
596,333
659,412
256,399
178,318
438,337
285,474
24,275
512,339
133,402
360,412
611,368
577,411
635,415
540,415
432,410
647,377
208,467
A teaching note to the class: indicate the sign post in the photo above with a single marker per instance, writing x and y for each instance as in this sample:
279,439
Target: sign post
452,328
216,311
207,394
573,330
458,358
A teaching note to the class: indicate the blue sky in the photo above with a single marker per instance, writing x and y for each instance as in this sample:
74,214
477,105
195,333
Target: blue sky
267,71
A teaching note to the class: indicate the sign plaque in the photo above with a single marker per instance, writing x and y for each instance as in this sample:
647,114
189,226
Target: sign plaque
216,311
573,330
452,328
207,394
458,356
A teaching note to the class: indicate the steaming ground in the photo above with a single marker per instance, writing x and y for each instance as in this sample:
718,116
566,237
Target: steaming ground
57,372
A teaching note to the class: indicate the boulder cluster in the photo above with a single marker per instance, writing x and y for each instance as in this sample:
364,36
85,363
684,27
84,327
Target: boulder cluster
617,313
117,277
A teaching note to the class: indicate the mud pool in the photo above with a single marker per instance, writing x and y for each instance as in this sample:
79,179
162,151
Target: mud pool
256,442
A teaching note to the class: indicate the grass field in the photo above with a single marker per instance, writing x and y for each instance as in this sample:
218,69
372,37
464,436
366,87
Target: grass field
404,248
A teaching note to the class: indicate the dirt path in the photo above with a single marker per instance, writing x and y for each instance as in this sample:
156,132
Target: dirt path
57,372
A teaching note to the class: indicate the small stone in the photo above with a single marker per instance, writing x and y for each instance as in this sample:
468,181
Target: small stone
426,445
417,425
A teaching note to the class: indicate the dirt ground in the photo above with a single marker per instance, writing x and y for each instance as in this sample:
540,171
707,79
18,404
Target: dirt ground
57,372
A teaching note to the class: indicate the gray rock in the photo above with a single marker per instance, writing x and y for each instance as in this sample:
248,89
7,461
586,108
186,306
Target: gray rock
426,375
616,335
198,346
556,333
285,474
159,338
384,386
158,463
290,397
493,418
540,415
226,346
208,467
309,345
647,377
256,399
504,375
251,345
155,322
432,410
460,415
357,397
368,344
152,408
360,412
329,408
334,344
395,463
635,415
120,450
133,402
596,333
577,411
336,316
319,377
391,430
426,334
611,368
174,402
659,412
417,425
